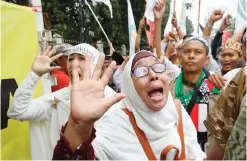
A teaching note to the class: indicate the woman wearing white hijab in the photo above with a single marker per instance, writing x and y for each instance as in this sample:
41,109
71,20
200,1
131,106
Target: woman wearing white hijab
45,120
143,126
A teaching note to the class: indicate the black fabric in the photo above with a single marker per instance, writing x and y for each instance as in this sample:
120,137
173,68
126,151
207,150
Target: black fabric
216,44
202,138
193,98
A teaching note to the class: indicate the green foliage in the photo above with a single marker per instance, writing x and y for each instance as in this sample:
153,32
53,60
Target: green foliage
65,20
189,26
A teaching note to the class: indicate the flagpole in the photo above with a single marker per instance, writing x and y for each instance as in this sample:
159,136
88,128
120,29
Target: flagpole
174,8
198,19
97,20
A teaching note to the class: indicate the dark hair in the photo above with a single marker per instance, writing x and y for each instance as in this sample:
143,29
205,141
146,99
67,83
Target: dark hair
244,33
187,36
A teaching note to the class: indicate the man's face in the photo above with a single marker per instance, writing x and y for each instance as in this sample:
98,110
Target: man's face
193,56
76,61
62,62
107,62
229,60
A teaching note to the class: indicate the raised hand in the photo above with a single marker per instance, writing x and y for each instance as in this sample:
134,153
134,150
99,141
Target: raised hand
216,15
42,62
224,23
142,22
88,102
159,9
174,21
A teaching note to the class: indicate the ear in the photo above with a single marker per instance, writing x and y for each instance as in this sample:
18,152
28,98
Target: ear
180,58
206,60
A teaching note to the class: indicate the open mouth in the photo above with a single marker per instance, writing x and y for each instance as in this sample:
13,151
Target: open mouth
227,65
156,94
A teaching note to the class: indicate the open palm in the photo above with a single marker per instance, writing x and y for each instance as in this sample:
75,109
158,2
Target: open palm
88,102
42,62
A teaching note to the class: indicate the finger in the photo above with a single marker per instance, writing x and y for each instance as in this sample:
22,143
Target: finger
87,71
108,102
98,68
51,52
215,81
222,80
55,68
75,75
218,82
46,50
108,73
56,57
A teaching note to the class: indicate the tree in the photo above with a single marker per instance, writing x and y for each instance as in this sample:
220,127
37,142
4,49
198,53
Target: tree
65,20
189,26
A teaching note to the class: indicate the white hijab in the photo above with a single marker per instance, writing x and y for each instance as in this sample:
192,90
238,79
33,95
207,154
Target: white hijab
116,139
45,134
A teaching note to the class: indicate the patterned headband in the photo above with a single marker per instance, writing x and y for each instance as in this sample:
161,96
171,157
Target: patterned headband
200,39
234,45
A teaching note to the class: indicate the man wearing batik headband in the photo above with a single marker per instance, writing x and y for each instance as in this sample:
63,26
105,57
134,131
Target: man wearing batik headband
227,121
48,113
230,56
191,87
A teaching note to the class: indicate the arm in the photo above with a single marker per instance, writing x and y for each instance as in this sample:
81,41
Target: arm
215,16
215,152
175,25
216,43
158,12
81,150
23,107
138,36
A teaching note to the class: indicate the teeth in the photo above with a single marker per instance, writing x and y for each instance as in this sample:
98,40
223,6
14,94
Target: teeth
155,94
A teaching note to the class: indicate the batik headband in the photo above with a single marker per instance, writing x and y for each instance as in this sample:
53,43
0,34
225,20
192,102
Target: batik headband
234,45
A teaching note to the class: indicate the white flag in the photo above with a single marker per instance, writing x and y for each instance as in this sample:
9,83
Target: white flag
180,13
149,14
132,29
106,2
241,16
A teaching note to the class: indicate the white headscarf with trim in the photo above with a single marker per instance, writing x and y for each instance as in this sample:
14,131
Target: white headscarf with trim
116,139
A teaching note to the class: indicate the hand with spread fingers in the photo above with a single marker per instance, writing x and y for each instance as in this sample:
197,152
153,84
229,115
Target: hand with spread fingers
88,103
42,62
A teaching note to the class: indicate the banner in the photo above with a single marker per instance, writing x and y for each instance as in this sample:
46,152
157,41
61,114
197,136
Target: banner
19,47
132,29
241,16
180,10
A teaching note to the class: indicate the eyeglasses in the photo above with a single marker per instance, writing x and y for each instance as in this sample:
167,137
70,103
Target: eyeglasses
143,71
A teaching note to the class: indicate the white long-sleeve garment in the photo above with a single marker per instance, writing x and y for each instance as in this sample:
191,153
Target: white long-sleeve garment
46,115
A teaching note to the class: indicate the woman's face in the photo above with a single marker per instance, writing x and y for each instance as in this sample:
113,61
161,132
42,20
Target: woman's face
76,61
229,60
153,88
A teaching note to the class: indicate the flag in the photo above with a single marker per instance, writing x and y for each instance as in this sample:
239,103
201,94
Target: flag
241,16
149,15
106,2
132,29
150,33
180,9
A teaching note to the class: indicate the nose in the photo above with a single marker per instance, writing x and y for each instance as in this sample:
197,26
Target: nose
192,55
152,75
75,64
